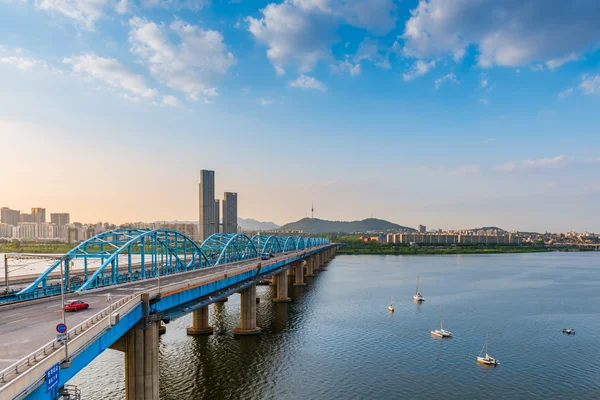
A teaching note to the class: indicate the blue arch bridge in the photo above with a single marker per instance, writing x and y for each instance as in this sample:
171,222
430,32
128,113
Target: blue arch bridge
134,280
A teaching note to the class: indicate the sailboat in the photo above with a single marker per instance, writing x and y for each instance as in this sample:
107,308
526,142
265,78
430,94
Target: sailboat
391,306
487,360
442,333
418,296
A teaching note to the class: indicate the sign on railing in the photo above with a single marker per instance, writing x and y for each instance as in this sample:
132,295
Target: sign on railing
52,377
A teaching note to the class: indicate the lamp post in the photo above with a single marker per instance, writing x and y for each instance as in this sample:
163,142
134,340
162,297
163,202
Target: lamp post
66,363
109,300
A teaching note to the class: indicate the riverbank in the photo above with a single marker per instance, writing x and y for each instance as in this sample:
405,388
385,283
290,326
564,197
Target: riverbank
374,249
36,248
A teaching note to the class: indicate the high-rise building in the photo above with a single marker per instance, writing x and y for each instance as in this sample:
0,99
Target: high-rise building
11,217
60,219
28,230
5,230
217,217
39,215
230,212
26,217
422,229
206,223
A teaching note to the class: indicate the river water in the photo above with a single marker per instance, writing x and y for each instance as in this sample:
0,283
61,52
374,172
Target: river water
336,340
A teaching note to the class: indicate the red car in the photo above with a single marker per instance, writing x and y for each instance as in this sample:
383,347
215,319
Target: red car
76,305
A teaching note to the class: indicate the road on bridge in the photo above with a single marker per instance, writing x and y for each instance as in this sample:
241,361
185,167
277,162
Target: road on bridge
32,325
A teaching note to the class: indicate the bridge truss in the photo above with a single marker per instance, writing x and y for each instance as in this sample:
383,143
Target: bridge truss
125,255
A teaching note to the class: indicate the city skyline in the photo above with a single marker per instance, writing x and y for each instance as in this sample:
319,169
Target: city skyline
416,112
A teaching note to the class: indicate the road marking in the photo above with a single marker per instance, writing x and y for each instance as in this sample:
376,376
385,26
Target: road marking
17,320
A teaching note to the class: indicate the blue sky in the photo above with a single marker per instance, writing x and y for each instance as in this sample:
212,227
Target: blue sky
450,113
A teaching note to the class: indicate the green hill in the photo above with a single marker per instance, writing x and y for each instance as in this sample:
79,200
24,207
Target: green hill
315,225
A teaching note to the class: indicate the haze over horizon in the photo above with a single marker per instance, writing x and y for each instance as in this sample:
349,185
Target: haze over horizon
451,114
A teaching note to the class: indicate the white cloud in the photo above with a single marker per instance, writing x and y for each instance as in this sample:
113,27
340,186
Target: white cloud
111,72
265,101
186,66
544,162
565,93
170,101
507,33
308,82
446,78
590,84
419,68
122,6
595,160
24,64
346,66
84,12
483,82
177,4
299,33
371,50
507,167
484,101
558,62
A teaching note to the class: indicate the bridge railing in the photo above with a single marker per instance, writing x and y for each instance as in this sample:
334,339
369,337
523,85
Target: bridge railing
53,352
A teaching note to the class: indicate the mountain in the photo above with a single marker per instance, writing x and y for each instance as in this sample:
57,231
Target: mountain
249,224
315,225
487,228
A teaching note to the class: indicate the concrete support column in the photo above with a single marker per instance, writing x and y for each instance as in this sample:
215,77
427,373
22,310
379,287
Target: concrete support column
290,271
309,267
282,288
247,312
141,362
299,267
273,281
200,323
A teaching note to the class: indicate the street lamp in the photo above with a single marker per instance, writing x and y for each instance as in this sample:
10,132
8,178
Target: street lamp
109,300
66,363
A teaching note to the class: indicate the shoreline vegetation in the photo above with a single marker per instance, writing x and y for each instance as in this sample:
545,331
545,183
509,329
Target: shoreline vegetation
354,246
351,246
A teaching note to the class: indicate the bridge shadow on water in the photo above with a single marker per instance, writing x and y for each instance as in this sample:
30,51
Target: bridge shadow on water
224,366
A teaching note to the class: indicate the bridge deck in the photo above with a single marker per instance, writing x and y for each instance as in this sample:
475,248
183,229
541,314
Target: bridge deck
32,325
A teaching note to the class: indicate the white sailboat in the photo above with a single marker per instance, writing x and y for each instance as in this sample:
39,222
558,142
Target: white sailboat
418,296
442,333
487,360
391,306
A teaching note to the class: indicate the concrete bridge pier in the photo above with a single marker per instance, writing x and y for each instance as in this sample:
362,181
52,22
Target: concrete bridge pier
291,272
273,281
140,345
141,362
282,288
309,267
247,312
200,323
299,270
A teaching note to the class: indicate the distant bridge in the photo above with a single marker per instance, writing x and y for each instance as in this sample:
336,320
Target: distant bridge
152,276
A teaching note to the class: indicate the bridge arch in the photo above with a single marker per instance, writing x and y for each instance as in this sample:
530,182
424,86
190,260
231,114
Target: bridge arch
267,244
108,246
223,248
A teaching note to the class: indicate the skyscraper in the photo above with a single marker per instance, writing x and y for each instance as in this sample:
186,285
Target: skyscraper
422,229
206,222
230,212
60,219
9,216
217,217
39,214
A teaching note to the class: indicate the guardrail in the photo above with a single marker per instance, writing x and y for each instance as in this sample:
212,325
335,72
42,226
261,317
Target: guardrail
51,353
51,349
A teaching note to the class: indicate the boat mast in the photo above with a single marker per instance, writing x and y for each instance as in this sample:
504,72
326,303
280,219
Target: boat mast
417,289
441,327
